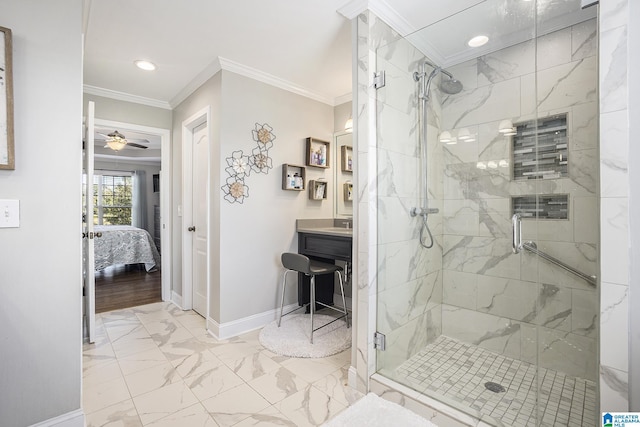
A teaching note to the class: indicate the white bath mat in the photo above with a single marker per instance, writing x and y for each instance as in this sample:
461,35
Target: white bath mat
372,411
292,337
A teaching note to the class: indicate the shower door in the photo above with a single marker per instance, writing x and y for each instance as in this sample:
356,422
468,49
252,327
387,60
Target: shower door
503,336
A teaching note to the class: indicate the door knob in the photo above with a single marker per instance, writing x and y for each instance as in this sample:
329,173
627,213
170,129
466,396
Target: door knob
99,234
192,228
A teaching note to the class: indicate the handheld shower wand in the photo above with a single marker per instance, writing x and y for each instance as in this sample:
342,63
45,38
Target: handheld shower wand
451,87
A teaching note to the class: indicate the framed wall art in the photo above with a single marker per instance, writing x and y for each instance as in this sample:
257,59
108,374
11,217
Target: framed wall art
7,160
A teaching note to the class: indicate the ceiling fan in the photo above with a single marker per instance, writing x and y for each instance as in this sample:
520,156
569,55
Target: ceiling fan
117,141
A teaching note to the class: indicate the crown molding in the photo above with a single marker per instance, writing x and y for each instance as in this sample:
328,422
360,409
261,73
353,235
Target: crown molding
209,71
382,10
121,96
388,14
353,8
261,76
347,97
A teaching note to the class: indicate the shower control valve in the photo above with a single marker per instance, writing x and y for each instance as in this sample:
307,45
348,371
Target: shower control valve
423,211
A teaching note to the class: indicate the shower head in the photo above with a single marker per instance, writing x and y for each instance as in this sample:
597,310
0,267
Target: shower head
451,86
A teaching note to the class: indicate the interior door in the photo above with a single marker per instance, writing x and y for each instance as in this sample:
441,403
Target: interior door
200,202
88,254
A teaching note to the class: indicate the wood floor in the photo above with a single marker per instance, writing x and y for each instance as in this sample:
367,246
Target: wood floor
122,286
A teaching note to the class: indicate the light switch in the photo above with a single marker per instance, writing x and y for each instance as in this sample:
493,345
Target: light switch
9,213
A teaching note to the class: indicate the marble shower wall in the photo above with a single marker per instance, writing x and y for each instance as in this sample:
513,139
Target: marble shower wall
614,210
492,297
409,277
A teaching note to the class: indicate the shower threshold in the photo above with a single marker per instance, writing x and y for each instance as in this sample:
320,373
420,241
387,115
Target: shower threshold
497,386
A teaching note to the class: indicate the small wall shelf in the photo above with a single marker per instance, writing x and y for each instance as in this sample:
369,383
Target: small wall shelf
317,190
348,191
318,153
347,158
293,177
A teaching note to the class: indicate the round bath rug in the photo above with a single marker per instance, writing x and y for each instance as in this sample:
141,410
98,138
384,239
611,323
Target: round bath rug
292,337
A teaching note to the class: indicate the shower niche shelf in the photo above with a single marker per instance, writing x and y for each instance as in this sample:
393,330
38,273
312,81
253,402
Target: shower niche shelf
540,148
551,206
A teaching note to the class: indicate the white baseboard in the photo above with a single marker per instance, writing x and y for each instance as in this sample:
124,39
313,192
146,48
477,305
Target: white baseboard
176,299
247,324
70,419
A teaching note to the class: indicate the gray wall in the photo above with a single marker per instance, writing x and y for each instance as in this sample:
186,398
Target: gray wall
40,262
256,232
244,253
207,95
129,112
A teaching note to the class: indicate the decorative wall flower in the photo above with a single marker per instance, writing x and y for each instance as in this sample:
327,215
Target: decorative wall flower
263,135
235,190
239,164
260,161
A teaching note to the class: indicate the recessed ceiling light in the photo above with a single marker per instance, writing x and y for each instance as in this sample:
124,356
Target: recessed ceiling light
478,41
145,65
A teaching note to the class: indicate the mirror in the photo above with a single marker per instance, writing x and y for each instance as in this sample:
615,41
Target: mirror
343,175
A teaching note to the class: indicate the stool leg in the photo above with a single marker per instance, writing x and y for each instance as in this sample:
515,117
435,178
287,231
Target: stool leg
344,302
312,302
284,282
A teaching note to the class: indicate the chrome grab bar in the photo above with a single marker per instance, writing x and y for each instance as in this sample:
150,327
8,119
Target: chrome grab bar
533,248
516,225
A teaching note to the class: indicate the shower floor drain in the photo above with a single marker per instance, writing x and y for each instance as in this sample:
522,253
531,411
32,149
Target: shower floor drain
494,387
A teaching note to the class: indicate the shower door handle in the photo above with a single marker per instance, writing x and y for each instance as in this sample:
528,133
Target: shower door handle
516,224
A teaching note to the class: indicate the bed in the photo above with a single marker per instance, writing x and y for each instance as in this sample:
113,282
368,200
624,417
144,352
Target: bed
125,244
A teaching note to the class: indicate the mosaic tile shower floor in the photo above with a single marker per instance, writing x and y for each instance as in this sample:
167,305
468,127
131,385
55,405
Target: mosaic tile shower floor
459,371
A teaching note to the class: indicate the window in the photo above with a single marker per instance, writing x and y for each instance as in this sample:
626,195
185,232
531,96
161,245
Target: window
112,198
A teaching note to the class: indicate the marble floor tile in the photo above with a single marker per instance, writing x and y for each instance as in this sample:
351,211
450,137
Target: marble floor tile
158,365
309,407
336,385
267,418
178,350
196,363
278,384
150,379
213,382
193,416
122,414
127,347
163,402
252,366
99,396
235,405
310,369
142,360
98,374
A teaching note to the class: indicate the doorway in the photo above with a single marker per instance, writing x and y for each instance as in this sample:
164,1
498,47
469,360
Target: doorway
126,285
196,178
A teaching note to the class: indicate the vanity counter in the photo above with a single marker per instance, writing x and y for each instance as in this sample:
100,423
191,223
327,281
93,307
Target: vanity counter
328,227
325,240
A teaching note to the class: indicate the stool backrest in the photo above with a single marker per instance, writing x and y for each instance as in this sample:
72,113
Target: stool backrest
297,262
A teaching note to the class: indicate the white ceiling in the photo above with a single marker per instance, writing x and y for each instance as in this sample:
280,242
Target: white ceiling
304,45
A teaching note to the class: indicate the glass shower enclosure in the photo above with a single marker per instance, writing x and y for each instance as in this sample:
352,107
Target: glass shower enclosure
498,318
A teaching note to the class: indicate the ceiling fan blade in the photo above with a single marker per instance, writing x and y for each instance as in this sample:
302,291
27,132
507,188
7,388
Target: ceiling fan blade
144,141
133,144
102,134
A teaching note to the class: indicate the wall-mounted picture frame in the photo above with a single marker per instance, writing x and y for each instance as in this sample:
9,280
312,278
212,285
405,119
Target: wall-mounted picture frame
346,158
7,159
318,153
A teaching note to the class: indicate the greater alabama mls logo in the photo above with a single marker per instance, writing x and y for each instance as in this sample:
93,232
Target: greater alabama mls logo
607,420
